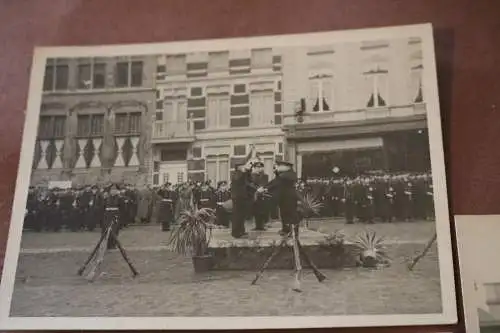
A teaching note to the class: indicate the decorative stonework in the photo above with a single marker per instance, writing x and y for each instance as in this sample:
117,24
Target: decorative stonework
42,164
119,162
80,162
57,164
95,161
134,159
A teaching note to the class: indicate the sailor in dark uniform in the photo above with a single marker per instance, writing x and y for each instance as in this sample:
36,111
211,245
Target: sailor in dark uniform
96,209
30,218
168,198
206,196
67,204
260,204
283,189
113,203
222,195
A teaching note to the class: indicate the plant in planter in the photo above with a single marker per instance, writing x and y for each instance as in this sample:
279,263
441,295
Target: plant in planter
308,207
192,236
371,249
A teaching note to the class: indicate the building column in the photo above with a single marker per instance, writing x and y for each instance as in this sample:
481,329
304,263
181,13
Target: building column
69,148
299,165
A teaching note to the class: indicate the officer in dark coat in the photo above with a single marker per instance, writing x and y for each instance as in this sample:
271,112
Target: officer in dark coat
30,218
113,205
222,195
96,209
348,201
241,195
283,189
260,204
67,208
168,199
206,196
83,208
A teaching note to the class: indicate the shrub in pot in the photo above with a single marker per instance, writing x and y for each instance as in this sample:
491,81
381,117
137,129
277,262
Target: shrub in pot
371,249
192,236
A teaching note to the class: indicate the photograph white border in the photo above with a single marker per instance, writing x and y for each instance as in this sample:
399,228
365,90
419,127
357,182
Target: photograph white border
467,228
424,31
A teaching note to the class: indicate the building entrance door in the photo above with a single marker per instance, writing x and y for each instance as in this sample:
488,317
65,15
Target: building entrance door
173,172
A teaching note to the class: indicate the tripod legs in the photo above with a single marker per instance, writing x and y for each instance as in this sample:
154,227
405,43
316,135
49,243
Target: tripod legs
124,255
109,233
276,251
94,251
424,252
298,251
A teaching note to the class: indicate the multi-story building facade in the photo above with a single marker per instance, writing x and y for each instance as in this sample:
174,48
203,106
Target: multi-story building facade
95,120
193,116
364,107
211,108
364,110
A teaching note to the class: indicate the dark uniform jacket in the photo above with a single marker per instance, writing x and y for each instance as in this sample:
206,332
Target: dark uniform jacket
283,189
241,186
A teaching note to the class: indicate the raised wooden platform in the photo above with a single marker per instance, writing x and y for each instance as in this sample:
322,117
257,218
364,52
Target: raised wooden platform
250,253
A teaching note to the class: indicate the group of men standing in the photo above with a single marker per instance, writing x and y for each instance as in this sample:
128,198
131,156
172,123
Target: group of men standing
377,197
383,197
76,209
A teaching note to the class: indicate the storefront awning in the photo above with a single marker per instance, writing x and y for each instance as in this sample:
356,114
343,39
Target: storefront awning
319,146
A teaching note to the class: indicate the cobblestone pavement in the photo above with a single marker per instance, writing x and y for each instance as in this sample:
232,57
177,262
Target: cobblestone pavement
47,284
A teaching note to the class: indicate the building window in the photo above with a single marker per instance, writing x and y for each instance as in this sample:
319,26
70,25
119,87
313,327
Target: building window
218,61
176,64
217,168
90,125
262,58
239,89
278,110
240,150
262,108
52,127
196,91
416,91
240,107
377,85
129,74
168,155
321,93
56,76
196,152
277,63
218,111
128,123
91,75
196,106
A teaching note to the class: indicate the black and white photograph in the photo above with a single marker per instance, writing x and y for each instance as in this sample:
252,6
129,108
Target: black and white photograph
287,181
477,243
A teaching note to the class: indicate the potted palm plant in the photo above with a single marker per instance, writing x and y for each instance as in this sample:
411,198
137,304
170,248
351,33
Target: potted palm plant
192,237
308,207
371,249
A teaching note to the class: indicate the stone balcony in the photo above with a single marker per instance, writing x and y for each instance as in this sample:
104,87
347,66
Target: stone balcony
397,111
173,131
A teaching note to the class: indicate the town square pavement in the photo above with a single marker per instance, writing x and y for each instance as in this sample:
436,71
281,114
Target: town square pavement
47,283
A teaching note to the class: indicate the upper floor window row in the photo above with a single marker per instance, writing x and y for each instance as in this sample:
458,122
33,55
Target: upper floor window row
63,75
